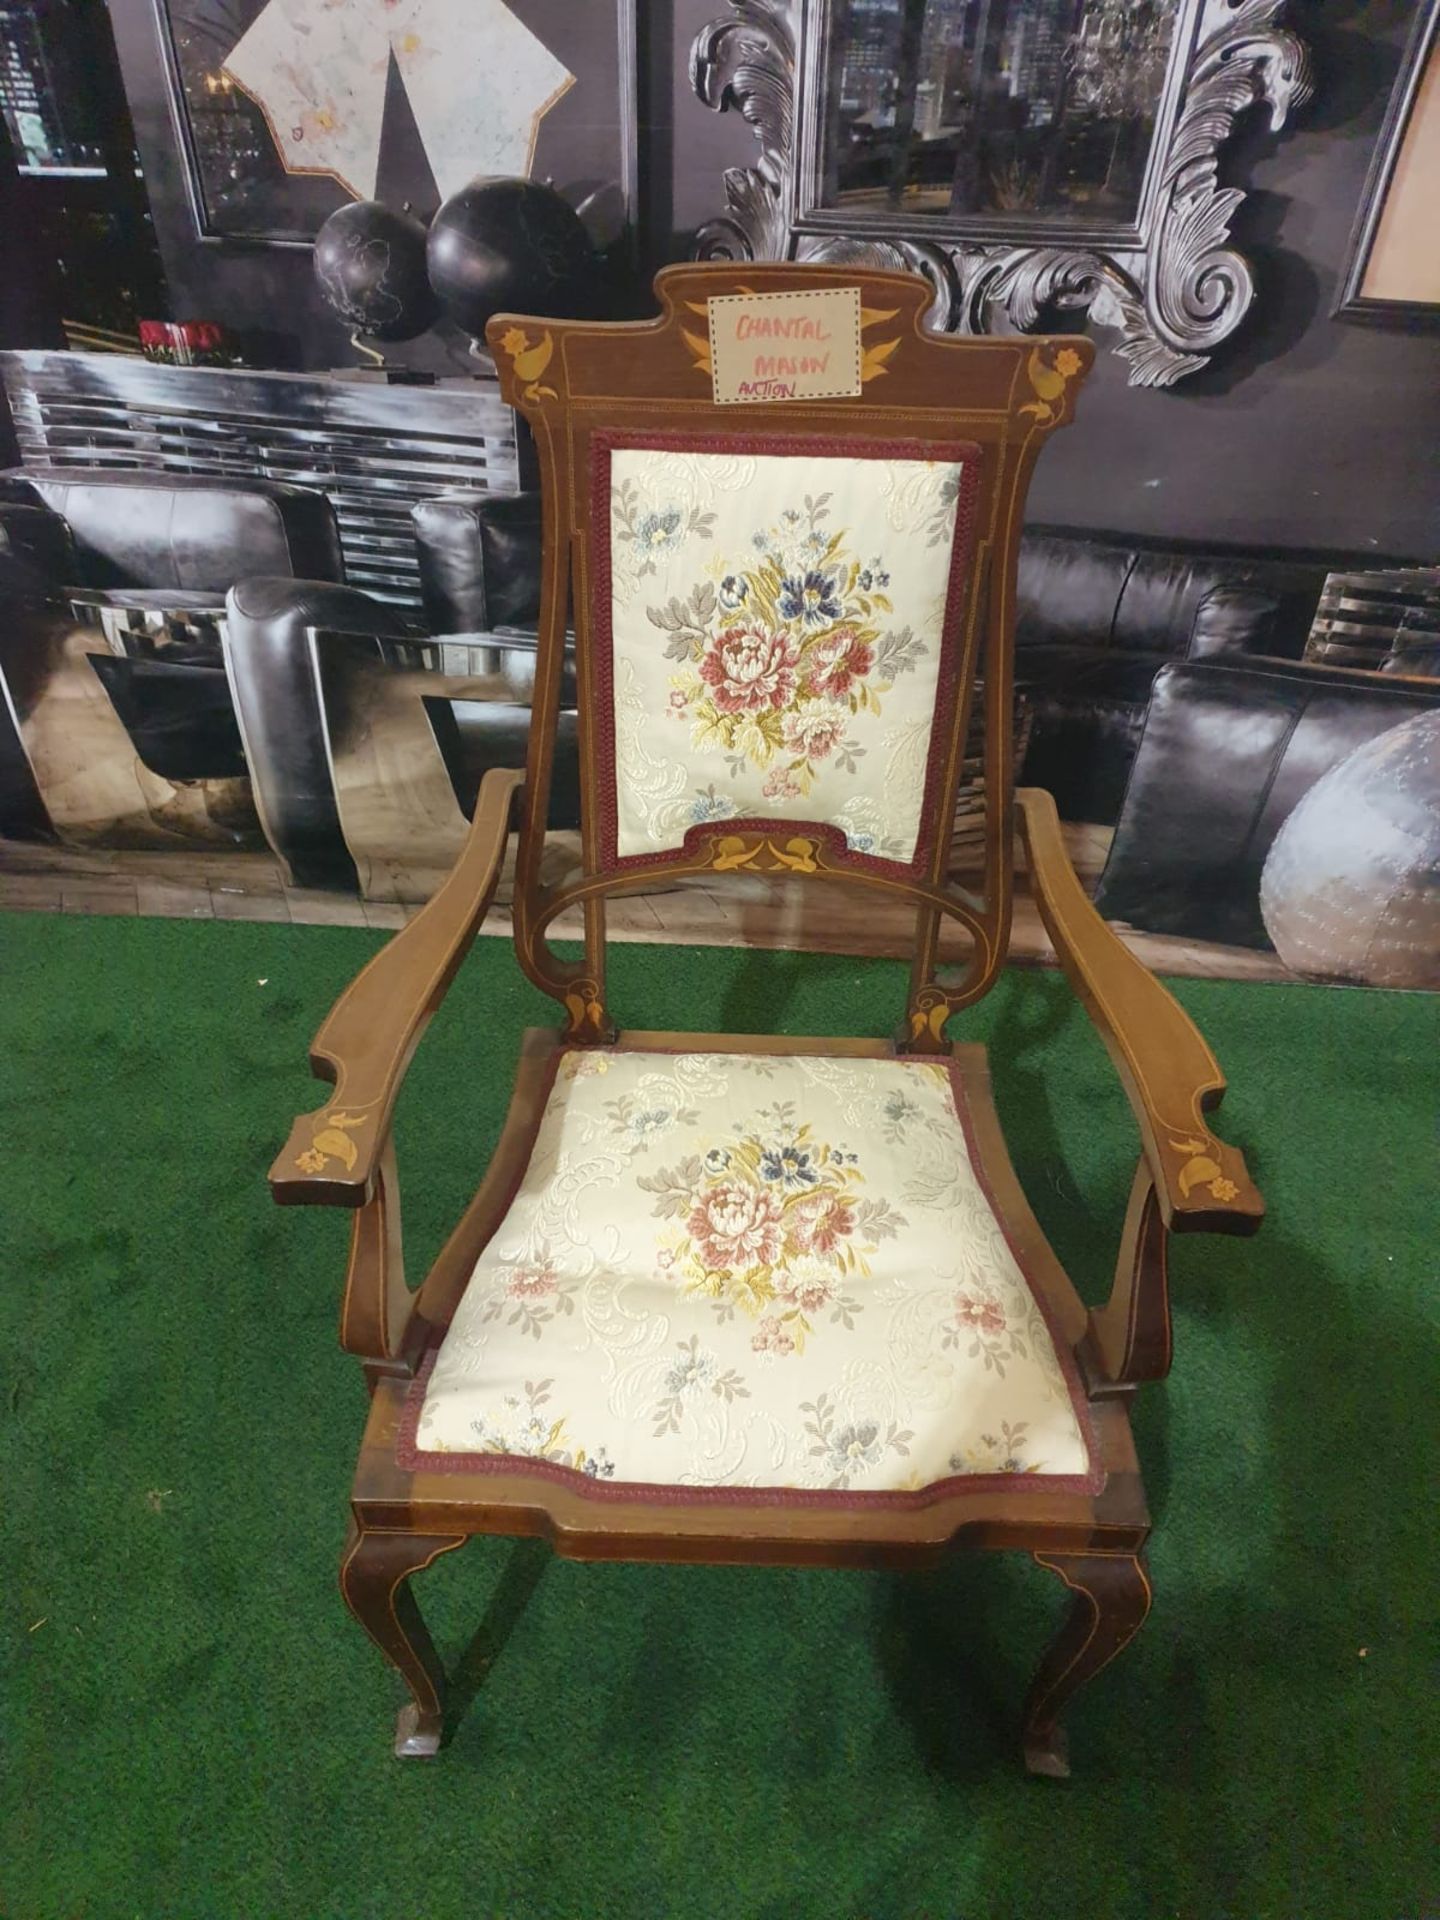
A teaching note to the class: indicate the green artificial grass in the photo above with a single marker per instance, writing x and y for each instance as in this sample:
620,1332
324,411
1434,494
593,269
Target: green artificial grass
193,1726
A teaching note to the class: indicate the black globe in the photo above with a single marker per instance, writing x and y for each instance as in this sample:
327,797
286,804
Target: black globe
503,245
370,264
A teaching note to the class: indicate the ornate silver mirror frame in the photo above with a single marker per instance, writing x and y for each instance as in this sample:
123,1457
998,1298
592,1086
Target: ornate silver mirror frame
1167,282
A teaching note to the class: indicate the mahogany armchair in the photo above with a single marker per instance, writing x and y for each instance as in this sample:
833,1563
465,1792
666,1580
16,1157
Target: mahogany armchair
734,1298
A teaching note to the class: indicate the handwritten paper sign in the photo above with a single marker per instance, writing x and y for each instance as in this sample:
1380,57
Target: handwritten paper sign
785,346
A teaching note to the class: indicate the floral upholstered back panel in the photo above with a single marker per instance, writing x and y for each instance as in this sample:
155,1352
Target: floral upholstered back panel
780,637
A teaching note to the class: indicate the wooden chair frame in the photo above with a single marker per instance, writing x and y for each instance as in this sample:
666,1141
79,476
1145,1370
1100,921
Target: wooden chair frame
572,380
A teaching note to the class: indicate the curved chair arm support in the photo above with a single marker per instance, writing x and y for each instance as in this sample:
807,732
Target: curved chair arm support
1168,1072
365,1045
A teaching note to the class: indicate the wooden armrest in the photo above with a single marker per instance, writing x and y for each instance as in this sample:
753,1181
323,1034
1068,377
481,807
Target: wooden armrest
369,1035
1169,1073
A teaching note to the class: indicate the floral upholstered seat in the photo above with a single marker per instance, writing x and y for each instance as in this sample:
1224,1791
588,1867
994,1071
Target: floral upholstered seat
758,1272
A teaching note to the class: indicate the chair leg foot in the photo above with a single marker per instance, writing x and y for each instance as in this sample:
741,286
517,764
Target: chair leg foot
417,1734
1047,1756
1112,1598
375,1583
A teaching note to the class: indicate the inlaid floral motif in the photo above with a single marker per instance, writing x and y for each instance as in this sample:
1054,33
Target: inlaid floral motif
1200,1168
774,1224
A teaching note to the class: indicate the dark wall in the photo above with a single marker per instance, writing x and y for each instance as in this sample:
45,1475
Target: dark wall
1309,431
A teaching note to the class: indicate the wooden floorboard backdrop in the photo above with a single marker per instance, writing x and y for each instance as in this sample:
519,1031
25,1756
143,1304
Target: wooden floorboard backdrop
748,911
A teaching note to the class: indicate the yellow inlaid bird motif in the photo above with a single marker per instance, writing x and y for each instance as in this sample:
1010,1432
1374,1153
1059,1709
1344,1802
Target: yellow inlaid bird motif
1049,382
530,359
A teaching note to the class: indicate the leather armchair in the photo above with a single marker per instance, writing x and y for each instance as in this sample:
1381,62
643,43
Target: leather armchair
479,561
183,533
168,541
1227,751
269,660
479,573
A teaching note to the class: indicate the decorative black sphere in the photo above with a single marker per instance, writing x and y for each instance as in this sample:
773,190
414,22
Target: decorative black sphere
370,264
508,245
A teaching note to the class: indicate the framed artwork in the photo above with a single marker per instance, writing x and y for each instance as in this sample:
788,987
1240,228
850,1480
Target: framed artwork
285,110
1025,155
1393,275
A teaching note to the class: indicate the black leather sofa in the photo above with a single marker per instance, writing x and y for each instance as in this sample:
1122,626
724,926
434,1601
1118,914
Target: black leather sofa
1165,681
1100,615
1227,751
1100,620
479,560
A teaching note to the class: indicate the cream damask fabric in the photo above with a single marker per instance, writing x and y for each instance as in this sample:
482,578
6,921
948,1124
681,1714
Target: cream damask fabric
729,1270
776,625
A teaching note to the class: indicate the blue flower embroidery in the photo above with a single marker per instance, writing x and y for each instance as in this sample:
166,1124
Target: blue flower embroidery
692,1371
855,1446
873,578
813,599
734,591
791,1166
709,805
656,532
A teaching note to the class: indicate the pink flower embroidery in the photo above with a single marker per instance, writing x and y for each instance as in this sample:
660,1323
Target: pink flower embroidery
815,735
819,1222
781,785
838,661
809,1294
981,1311
749,670
532,1283
770,1337
735,1226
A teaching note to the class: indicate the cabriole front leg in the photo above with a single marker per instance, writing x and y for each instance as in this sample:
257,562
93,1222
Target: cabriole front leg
375,1582
1112,1598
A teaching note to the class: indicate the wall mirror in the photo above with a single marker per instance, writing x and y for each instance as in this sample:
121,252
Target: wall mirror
966,109
1026,155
